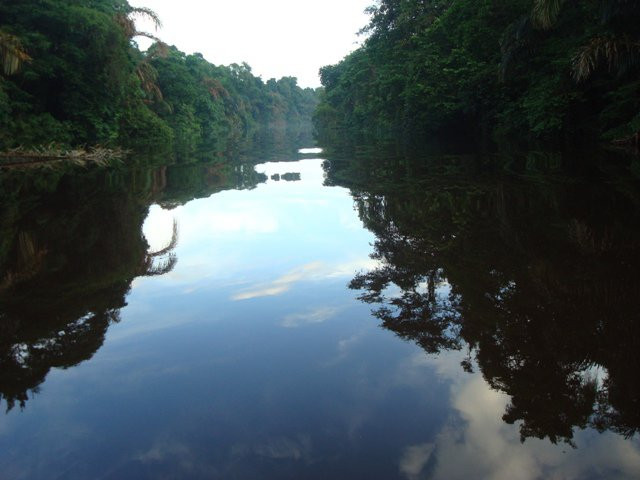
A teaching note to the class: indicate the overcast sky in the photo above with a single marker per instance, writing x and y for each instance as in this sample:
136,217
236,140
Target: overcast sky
275,37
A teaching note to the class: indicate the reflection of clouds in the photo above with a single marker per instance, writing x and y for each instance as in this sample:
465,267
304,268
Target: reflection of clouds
308,272
158,226
205,226
178,457
317,315
308,202
153,323
414,459
304,222
222,216
278,448
186,460
281,284
162,450
414,371
345,345
242,221
484,446
348,269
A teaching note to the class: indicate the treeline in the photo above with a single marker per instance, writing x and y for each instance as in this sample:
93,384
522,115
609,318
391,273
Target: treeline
71,73
531,70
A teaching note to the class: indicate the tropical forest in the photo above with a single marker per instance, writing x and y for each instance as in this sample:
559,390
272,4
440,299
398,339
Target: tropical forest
548,71
382,239
73,75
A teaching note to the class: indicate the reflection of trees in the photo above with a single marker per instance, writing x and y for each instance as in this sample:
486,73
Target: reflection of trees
183,183
537,277
73,248
164,260
71,243
278,143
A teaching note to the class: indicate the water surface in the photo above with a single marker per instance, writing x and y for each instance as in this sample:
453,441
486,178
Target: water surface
319,319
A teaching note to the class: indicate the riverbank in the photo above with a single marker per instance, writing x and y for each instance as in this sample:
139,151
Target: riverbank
51,156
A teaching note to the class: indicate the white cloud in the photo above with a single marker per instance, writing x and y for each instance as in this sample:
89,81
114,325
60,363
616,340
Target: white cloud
345,345
486,447
349,269
158,227
309,272
282,448
241,221
414,459
180,456
317,315
222,216
281,284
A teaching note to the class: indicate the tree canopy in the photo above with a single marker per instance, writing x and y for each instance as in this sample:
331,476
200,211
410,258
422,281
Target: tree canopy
533,70
72,74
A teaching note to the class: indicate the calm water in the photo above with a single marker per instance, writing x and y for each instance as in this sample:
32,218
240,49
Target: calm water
320,319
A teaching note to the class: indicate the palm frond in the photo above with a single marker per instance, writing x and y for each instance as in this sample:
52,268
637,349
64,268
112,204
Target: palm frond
545,12
148,35
12,54
127,24
171,245
148,77
162,267
162,261
147,13
619,53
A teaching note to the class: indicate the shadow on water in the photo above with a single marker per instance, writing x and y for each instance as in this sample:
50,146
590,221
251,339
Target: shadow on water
530,269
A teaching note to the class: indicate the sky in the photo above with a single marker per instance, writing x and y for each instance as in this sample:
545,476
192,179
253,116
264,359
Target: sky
276,37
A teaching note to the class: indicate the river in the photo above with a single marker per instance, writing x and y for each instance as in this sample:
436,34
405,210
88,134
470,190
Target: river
313,315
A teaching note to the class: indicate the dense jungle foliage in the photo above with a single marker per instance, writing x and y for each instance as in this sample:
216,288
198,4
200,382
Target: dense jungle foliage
71,73
542,70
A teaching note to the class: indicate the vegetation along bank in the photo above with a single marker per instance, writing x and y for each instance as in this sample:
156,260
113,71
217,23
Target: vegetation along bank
548,71
71,73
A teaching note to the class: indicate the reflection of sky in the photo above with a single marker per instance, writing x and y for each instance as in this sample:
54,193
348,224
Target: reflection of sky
248,235
476,443
241,245
252,359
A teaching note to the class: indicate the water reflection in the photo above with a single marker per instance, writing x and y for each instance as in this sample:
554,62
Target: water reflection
72,244
481,445
534,277
246,356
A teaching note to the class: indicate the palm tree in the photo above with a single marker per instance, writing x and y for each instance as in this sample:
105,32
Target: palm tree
12,55
621,53
147,75
162,261
619,49
545,12
127,22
